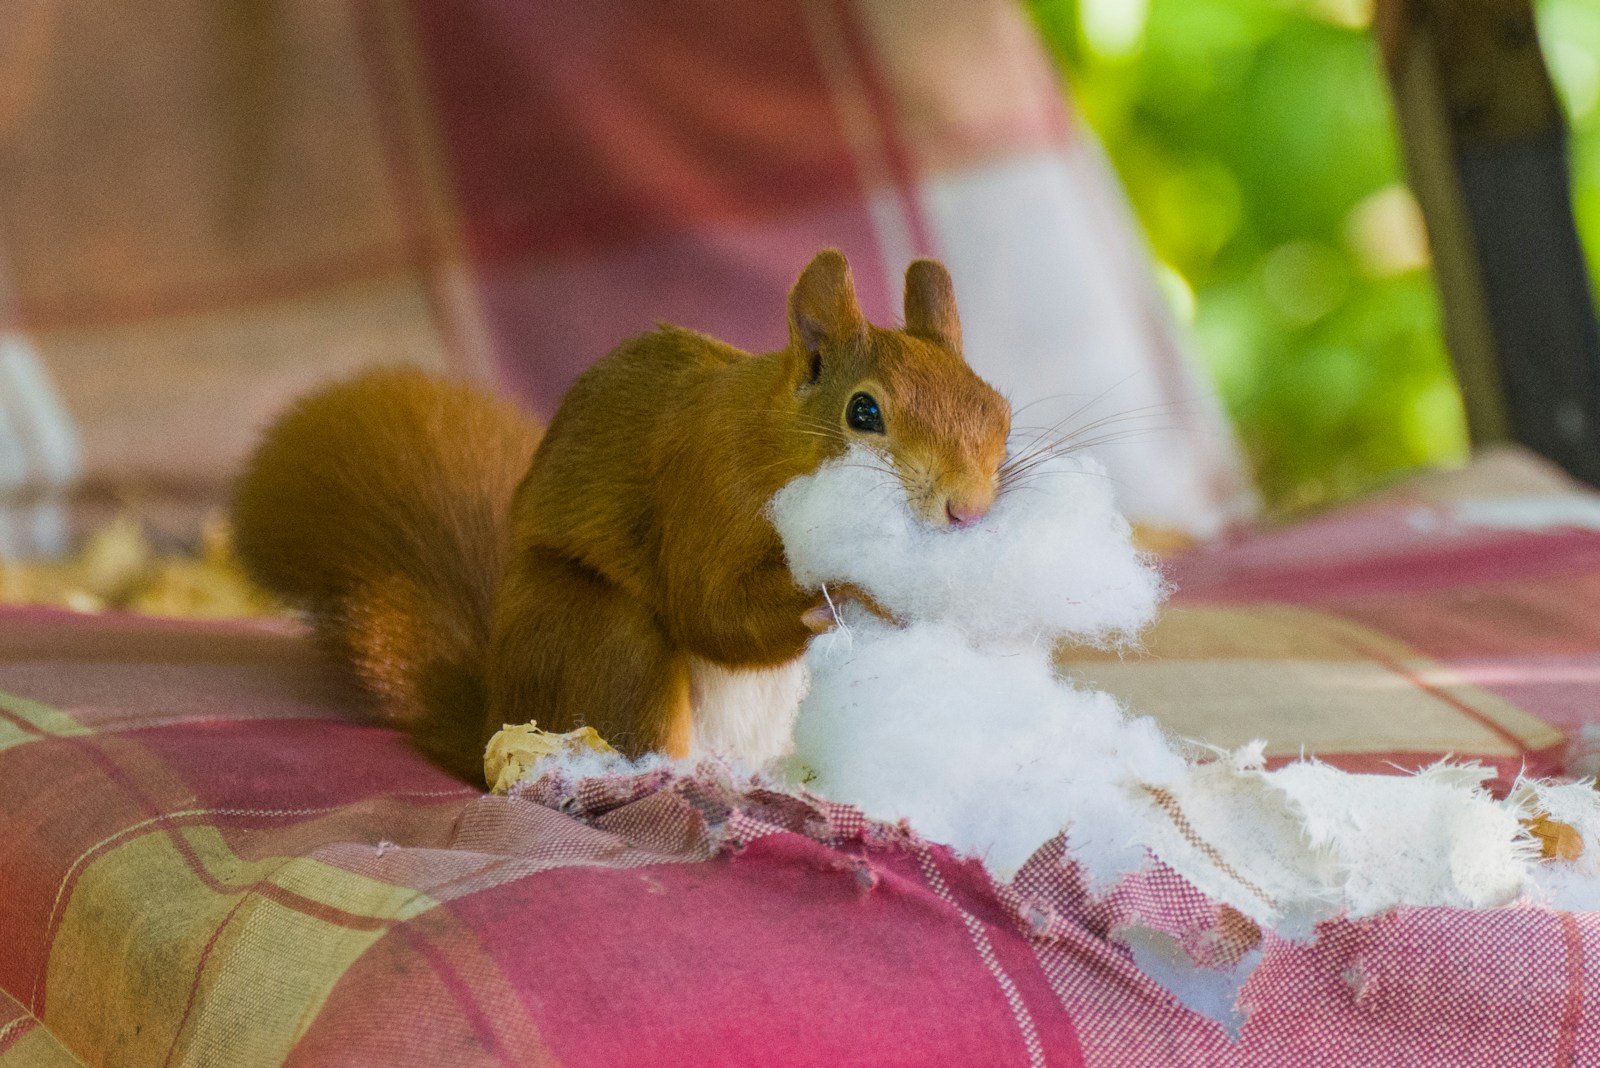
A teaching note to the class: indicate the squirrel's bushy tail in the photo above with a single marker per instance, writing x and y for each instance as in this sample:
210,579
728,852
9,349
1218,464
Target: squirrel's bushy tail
381,507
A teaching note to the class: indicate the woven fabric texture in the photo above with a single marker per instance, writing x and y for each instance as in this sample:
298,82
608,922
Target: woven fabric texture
206,210
210,853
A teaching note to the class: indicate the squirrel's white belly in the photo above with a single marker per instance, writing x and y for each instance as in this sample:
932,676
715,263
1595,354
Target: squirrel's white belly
746,717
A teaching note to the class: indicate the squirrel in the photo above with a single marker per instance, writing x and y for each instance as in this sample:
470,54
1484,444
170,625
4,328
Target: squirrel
618,571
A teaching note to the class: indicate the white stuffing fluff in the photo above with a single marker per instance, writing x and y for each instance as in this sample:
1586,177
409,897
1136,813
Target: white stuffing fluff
1436,836
1574,884
1052,558
956,721
991,754
1307,842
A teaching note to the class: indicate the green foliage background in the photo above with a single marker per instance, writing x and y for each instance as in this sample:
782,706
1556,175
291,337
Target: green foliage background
1257,142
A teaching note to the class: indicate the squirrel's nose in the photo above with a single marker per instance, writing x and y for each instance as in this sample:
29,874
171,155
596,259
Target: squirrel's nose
962,513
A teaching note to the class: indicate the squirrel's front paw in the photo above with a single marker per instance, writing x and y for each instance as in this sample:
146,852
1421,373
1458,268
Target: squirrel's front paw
823,617
819,619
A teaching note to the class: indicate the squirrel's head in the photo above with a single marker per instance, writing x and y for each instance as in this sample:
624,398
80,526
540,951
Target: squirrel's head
906,394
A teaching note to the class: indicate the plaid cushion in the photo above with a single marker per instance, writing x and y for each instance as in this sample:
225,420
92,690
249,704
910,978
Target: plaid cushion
204,860
24,1042
207,213
1388,635
209,853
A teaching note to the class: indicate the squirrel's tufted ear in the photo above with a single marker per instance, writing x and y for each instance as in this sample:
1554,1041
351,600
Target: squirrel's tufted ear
822,306
931,304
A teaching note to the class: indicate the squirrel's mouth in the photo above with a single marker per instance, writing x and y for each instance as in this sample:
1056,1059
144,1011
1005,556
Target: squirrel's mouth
950,508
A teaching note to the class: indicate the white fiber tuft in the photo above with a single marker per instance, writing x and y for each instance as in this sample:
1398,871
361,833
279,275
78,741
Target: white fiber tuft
1052,558
953,718
957,722
1436,837
991,754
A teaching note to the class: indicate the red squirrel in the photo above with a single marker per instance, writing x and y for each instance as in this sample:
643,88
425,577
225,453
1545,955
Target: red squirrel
633,568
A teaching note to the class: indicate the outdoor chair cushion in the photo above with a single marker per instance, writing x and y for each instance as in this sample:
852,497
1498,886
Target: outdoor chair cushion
211,852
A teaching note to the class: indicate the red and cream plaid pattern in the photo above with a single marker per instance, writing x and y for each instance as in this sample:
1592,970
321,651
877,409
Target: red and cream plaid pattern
1388,634
206,209
203,862
210,855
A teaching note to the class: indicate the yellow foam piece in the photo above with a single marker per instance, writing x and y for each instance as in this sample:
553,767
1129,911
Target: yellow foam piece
516,750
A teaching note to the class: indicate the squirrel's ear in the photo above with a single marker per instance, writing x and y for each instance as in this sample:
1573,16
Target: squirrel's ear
931,304
822,306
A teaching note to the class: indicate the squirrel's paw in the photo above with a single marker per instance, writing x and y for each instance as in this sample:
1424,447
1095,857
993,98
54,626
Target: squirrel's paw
823,617
819,619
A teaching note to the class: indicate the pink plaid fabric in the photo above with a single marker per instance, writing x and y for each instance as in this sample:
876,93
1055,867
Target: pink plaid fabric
208,210
209,854
206,858
1390,634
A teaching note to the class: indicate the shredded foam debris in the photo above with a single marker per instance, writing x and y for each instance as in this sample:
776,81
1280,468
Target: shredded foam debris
954,719
120,568
518,750
1052,558
957,722
992,754
1308,842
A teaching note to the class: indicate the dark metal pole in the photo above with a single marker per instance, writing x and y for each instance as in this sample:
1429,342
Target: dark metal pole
1486,148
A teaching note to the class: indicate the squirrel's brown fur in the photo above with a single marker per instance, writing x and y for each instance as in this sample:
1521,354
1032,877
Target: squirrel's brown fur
638,538
380,506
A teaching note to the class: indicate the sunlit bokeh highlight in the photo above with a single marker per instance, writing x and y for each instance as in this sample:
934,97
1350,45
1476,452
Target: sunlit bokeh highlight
1257,141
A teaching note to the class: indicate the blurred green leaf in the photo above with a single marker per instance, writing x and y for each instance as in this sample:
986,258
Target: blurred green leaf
1256,141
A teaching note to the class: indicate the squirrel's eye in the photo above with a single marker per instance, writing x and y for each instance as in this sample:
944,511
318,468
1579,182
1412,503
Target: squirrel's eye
862,414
